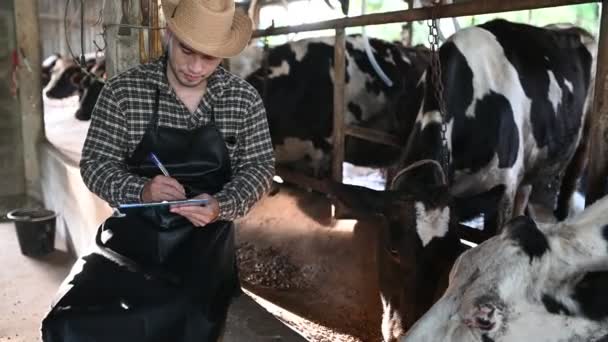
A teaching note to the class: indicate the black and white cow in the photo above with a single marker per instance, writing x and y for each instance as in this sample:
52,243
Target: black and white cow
298,96
66,78
516,100
530,283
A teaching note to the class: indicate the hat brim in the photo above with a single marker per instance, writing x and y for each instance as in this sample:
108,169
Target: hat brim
240,34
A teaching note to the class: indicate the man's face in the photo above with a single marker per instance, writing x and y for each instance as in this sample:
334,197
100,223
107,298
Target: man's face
190,67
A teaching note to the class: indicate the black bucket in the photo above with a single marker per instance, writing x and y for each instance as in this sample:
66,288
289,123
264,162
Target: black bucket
35,230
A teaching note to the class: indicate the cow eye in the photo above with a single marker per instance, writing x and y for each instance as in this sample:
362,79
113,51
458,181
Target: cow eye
394,254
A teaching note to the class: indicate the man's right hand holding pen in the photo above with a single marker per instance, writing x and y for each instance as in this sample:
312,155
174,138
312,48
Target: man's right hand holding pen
162,187
165,188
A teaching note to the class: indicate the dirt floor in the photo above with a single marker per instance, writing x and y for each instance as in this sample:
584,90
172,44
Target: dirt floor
320,275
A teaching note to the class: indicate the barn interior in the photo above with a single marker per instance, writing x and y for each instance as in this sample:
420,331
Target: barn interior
308,267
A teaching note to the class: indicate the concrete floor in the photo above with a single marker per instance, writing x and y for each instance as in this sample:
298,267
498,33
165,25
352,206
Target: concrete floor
27,286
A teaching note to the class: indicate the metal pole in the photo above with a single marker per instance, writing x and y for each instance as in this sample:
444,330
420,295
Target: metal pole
30,99
82,60
445,11
598,153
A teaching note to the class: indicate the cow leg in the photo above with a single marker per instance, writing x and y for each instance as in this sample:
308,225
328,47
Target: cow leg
574,171
394,312
521,199
321,164
542,199
392,327
493,223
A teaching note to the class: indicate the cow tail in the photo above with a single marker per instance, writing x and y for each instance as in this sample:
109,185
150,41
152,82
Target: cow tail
575,169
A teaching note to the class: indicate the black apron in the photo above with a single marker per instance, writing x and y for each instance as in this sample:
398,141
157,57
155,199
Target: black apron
178,280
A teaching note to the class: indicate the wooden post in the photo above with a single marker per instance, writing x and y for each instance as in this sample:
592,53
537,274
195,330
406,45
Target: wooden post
339,76
30,98
407,32
598,153
338,131
155,46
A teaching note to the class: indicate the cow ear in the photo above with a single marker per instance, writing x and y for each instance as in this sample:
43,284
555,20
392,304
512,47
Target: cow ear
469,207
362,202
524,232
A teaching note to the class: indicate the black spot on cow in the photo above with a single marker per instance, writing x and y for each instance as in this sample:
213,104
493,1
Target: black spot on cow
532,241
356,110
299,103
548,51
591,293
554,306
491,131
605,232
475,140
486,338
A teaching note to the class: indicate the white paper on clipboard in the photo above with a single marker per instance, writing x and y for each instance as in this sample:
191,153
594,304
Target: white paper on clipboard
194,201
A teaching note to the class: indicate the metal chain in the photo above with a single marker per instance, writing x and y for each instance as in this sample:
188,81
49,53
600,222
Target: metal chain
438,87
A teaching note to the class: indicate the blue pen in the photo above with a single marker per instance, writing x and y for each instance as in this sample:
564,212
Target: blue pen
157,162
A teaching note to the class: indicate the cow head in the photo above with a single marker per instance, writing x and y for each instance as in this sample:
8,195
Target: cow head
65,78
418,240
530,283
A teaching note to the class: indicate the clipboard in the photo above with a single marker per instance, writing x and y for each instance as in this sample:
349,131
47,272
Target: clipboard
194,201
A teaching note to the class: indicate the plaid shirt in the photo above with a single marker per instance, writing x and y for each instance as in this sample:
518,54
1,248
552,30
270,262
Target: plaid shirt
124,108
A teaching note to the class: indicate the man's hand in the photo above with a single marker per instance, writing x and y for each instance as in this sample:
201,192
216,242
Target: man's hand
162,188
199,215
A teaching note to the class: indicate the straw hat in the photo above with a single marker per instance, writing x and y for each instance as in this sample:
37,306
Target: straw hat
212,27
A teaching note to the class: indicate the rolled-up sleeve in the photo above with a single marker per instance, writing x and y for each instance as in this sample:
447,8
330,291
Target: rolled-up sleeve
102,165
252,175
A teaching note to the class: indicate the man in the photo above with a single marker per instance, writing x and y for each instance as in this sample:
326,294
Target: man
178,128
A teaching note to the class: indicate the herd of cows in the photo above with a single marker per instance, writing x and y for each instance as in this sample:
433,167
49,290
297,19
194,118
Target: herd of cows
517,102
